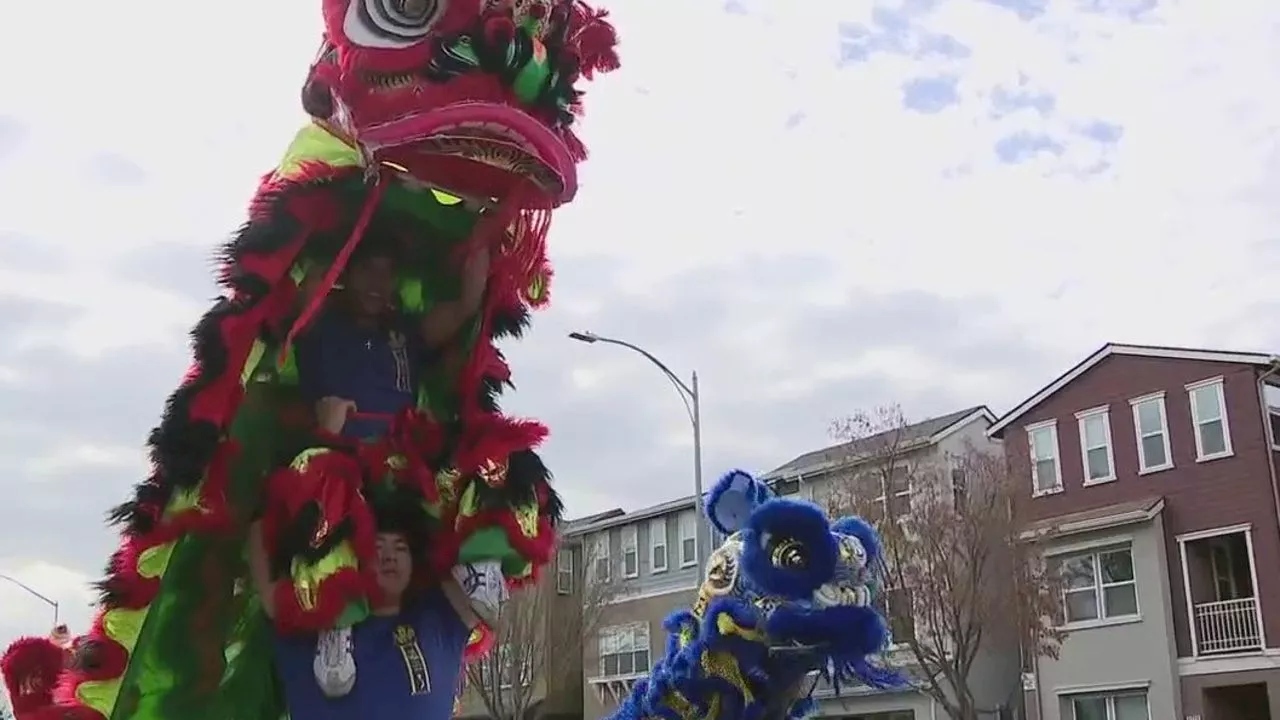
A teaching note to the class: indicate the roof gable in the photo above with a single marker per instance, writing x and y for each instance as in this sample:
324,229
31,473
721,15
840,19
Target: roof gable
925,431
1152,351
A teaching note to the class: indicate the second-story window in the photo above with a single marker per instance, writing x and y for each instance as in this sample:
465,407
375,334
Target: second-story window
688,539
658,545
1098,585
1151,425
1046,463
1209,418
564,570
600,557
1096,455
630,551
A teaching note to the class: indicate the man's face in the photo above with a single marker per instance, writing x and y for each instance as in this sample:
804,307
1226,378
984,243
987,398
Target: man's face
372,284
395,566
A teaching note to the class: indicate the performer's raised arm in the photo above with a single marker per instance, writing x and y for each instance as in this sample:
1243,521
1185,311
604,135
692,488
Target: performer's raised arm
442,322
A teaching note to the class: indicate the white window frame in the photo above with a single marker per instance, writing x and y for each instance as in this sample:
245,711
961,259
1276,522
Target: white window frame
1052,427
1099,587
688,523
600,557
1272,414
630,550
637,637
1134,403
1217,384
564,571
1083,417
1111,701
658,539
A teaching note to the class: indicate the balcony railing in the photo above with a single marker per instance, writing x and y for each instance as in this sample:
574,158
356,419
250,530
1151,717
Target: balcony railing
1227,626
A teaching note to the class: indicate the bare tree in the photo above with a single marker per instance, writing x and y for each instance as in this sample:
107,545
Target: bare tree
957,578
539,638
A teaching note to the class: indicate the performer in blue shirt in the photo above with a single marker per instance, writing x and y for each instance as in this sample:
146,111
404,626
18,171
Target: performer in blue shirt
409,650
359,365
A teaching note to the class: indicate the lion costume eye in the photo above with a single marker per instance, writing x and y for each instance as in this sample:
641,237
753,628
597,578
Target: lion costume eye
391,23
722,571
789,554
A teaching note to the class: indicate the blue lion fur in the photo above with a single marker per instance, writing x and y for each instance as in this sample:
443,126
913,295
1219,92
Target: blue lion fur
796,519
851,633
845,638
861,529
732,500
680,669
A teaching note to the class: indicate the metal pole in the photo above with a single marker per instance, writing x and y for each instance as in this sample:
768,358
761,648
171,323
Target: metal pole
697,476
693,405
30,590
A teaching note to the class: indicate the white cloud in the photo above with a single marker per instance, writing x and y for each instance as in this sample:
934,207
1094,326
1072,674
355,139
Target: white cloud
696,175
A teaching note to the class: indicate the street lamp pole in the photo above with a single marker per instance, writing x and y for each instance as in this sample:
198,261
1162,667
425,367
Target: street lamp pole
47,600
693,407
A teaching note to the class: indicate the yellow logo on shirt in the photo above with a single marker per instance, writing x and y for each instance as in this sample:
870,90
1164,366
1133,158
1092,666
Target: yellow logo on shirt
415,664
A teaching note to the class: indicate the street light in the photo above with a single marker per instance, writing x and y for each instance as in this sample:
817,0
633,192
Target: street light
689,396
48,601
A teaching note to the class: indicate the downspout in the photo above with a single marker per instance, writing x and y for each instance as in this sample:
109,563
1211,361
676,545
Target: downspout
1266,429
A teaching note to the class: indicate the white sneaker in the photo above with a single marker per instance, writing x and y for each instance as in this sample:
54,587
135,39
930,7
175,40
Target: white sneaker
484,586
335,663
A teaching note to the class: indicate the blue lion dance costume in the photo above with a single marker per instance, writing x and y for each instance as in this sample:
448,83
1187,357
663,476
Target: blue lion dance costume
786,599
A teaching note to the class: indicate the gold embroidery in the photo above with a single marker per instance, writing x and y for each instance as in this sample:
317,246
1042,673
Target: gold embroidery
415,664
322,532
494,474
527,518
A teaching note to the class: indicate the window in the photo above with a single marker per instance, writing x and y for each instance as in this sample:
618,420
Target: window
658,544
630,551
1046,466
600,557
688,539
1151,425
1209,418
1096,455
959,488
1274,414
1116,706
889,496
1098,585
624,650
564,571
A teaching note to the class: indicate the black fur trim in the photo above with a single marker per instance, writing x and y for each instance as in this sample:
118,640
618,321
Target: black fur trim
182,448
509,323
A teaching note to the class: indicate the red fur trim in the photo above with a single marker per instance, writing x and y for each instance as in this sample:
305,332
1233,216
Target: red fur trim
215,404
492,436
30,667
594,40
331,479
332,597
479,647
446,545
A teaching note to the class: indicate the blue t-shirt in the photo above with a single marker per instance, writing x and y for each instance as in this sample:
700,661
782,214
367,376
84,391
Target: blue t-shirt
377,369
407,667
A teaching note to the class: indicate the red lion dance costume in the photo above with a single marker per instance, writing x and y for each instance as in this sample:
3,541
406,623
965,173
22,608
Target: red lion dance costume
30,668
448,124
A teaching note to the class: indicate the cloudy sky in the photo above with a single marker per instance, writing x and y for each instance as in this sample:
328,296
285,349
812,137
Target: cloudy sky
819,205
